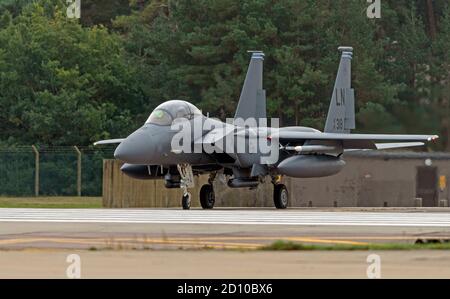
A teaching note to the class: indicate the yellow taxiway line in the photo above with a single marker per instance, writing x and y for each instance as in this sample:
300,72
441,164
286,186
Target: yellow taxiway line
215,242
243,242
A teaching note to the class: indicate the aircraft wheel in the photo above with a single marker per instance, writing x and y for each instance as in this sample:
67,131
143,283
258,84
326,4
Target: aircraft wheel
186,201
280,196
207,196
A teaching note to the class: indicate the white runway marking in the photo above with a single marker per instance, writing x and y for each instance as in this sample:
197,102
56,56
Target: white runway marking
245,217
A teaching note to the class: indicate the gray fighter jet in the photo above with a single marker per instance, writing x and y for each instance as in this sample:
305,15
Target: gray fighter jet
230,149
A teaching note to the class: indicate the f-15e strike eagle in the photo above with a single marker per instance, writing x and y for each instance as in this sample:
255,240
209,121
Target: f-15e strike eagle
178,141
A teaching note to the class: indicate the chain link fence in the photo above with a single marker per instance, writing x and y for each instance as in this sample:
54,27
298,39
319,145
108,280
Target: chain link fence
52,171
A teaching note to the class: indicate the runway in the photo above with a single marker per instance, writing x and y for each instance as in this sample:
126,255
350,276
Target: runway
228,216
222,243
220,229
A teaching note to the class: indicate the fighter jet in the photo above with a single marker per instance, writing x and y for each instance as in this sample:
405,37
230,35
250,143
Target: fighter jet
178,142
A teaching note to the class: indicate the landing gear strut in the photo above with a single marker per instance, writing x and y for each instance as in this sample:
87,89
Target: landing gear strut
280,196
187,181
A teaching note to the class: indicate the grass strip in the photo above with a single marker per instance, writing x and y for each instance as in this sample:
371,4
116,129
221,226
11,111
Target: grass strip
57,202
294,246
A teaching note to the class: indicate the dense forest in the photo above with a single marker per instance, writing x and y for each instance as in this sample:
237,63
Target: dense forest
73,81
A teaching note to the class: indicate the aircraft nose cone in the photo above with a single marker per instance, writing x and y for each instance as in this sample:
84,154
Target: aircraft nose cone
135,149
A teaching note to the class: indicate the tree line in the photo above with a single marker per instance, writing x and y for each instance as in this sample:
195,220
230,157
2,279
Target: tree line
67,81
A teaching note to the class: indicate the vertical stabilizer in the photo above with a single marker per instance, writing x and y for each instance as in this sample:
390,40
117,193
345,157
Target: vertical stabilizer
252,102
341,114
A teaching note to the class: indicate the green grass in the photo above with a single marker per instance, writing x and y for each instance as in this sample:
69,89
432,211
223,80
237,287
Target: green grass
287,246
51,202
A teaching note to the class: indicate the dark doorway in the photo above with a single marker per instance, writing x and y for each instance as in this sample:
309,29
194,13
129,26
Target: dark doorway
426,185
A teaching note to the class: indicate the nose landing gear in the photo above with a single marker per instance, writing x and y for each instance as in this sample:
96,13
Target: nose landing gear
187,181
207,195
186,201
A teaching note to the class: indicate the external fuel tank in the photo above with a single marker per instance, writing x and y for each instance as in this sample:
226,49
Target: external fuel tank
310,166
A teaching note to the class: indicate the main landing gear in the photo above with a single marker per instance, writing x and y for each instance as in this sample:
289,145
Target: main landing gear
280,194
207,196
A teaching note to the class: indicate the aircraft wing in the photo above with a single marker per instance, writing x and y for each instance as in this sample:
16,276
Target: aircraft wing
109,141
355,141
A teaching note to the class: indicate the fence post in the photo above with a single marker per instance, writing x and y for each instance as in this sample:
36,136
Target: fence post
78,170
36,170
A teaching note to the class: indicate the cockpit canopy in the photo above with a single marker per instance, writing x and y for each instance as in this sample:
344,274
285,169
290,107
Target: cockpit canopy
167,112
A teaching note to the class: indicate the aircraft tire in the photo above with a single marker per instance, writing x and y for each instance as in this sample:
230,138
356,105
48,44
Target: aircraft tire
280,196
207,197
186,201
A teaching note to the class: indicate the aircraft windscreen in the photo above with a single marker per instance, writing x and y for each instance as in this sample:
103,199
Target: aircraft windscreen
165,113
159,117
